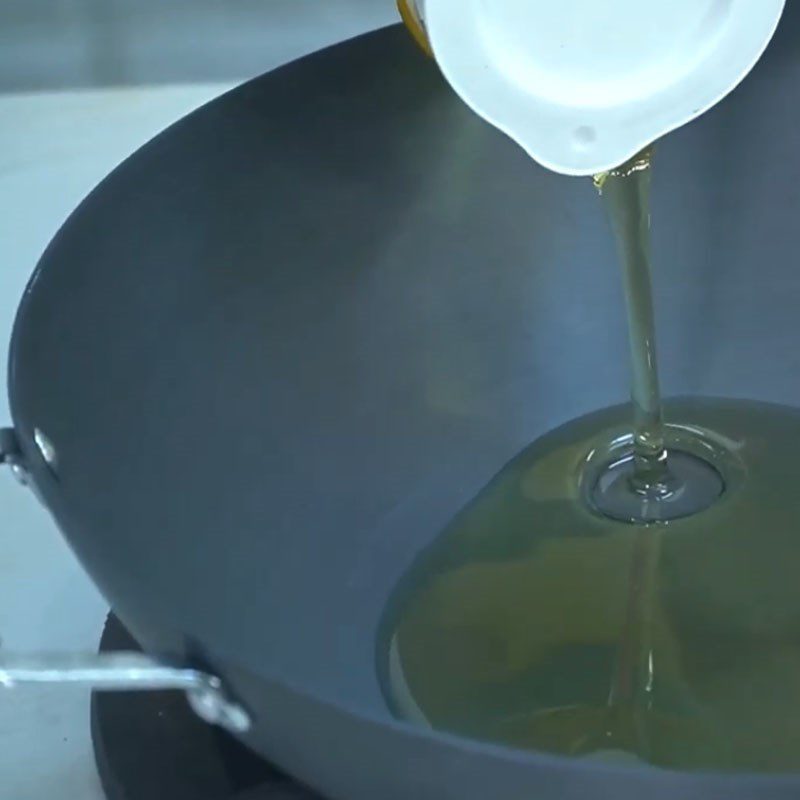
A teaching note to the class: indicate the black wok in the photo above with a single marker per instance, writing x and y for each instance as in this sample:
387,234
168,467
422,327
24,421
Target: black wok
280,346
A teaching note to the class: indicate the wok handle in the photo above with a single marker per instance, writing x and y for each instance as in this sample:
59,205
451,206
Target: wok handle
128,672
11,455
122,671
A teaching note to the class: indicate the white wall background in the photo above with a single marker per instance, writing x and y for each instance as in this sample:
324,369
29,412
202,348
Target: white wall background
50,44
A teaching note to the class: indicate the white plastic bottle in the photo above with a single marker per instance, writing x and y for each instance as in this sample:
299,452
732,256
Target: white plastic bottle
583,85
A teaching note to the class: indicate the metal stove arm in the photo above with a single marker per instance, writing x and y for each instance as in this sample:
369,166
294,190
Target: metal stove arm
121,671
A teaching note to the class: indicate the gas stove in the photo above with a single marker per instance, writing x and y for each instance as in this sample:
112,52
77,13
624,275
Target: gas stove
151,746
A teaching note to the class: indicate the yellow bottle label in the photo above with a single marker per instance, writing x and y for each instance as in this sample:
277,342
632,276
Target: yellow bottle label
413,23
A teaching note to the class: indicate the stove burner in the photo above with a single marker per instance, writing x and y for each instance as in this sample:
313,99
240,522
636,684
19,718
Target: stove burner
150,746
